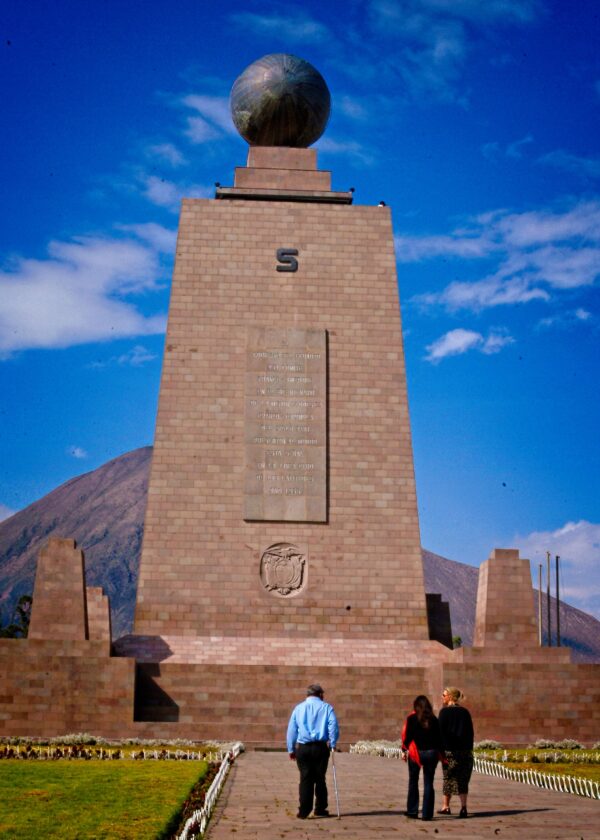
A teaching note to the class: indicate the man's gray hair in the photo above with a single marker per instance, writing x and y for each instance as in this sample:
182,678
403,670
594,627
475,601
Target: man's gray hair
314,690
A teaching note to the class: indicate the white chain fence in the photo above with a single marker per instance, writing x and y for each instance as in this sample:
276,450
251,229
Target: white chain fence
196,825
548,781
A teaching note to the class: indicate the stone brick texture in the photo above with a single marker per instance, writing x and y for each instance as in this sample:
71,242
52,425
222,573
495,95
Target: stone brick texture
504,599
56,688
199,570
98,613
59,580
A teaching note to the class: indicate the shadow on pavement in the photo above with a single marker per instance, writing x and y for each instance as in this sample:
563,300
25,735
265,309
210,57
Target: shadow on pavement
372,814
506,812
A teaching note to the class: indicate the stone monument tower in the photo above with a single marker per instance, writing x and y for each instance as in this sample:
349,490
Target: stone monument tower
282,495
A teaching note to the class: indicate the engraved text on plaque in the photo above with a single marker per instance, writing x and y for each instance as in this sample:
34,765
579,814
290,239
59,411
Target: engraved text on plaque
286,425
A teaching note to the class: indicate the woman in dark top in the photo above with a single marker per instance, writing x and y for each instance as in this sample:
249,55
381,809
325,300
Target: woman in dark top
421,746
457,737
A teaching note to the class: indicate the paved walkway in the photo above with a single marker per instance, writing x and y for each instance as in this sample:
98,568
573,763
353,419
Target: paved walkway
260,800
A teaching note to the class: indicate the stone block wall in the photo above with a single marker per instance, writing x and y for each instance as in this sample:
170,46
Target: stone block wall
516,702
200,565
59,609
48,690
504,615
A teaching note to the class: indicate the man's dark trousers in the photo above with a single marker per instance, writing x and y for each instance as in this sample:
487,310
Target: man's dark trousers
312,760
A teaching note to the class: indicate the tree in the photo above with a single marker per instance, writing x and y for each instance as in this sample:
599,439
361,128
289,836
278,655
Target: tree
456,642
19,626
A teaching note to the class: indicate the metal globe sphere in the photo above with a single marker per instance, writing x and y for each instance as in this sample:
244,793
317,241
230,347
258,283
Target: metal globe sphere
280,100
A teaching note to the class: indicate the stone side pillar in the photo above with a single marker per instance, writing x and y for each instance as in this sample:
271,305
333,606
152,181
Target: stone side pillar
59,609
504,615
98,612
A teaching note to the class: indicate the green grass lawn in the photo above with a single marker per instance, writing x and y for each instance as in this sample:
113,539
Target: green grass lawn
89,800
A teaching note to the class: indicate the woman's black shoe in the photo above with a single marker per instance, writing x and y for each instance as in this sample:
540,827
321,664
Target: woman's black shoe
411,816
463,812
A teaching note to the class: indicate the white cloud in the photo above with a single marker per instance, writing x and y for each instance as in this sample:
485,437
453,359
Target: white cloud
77,452
162,239
295,26
461,244
349,148
492,151
169,153
585,167
78,294
433,37
567,319
213,108
351,107
212,119
536,253
136,357
492,291
474,11
168,194
459,341
200,131
578,545
5,512
515,149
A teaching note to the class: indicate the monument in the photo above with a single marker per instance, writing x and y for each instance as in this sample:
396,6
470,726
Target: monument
281,540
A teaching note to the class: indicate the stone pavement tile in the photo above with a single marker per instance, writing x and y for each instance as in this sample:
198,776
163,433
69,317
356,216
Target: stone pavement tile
260,800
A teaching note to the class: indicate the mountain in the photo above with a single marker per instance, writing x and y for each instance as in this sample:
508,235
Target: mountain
104,511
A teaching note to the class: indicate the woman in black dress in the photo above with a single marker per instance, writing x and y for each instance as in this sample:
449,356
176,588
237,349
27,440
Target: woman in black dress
421,746
457,737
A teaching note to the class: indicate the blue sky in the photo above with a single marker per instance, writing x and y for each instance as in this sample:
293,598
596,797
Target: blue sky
478,123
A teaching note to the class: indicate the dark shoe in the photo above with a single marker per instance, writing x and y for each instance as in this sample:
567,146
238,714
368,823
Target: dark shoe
324,813
427,818
301,816
463,813
444,811
411,816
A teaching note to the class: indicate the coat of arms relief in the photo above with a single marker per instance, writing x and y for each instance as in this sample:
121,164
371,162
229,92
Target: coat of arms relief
283,569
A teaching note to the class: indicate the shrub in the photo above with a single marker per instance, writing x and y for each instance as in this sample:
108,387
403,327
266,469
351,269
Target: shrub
569,744
542,744
488,744
76,738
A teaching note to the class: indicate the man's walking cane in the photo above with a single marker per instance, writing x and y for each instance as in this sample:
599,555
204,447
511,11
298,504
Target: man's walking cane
335,787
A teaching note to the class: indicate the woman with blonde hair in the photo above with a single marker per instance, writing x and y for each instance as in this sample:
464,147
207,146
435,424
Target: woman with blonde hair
456,727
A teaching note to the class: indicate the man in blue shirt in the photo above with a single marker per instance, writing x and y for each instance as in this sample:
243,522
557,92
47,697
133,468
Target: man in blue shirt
312,731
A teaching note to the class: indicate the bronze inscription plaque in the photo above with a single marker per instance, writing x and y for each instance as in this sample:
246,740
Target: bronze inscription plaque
286,425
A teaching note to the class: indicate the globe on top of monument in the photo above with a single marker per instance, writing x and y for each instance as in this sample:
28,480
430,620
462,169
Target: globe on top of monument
280,100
